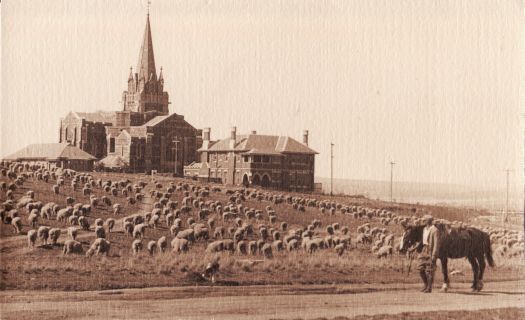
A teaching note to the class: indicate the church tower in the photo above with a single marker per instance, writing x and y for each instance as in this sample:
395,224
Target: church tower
145,97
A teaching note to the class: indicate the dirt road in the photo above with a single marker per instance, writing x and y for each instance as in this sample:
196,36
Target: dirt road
254,302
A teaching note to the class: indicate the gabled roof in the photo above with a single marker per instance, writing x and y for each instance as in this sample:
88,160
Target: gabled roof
155,121
50,151
99,116
114,161
262,144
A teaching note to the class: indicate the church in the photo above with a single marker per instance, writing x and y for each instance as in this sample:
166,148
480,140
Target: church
143,136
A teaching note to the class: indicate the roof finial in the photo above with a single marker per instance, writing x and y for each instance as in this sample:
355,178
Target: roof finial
149,3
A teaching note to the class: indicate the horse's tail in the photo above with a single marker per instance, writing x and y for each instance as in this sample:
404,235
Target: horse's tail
488,250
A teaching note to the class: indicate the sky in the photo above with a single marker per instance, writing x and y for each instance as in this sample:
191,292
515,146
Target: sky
435,86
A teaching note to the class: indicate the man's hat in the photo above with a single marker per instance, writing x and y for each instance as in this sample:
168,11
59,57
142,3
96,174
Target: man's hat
427,217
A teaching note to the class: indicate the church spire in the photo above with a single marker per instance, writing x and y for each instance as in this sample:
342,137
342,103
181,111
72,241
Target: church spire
146,64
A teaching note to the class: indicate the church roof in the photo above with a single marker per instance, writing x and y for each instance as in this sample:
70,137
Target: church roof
50,151
146,63
98,116
262,144
155,121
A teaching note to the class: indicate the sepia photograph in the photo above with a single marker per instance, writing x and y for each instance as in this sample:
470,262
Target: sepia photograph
262,159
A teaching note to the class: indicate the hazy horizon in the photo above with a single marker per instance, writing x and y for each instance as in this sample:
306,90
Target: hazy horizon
434,86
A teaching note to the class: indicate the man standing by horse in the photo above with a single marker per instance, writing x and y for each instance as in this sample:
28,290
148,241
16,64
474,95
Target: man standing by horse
428,255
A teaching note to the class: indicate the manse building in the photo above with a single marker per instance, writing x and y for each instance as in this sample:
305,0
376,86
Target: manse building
277,162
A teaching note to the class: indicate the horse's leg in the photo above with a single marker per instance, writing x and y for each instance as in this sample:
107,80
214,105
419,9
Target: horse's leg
444,269
481,261
475,267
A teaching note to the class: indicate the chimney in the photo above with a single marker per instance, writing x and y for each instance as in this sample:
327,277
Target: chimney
254,132
206,138
305,137
233,137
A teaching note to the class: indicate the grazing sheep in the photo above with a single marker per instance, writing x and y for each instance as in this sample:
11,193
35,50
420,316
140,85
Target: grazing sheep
63,214
278,245
54,234
99,222
242,247
72,232
99,246
152,246
73,220
252,247
72,246
16,222
201,233
174,230
154,221
384,252
188,234
136,246
43,234
139,231
116,208
266,250
83,223
110,224
128,227
33,218
31,238
179,245
170,217
293,244
100,232
340,249
162,244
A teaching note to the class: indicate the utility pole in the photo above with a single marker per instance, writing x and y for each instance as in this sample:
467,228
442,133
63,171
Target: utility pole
392,163
506,216
176,151
331,168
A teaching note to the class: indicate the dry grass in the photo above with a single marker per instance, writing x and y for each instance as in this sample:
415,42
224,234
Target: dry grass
46,268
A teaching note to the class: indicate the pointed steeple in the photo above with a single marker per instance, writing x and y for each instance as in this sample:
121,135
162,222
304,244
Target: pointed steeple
146,64
130,78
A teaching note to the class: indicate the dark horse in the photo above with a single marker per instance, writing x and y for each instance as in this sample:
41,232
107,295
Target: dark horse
470,243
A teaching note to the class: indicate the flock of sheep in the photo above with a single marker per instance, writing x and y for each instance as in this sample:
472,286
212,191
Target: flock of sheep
187,214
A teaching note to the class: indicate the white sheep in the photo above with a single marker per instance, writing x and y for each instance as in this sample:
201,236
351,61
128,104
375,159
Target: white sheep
110,224
179,245
43,234
16,222
136,246
99,246
54,234
31,238
100,232
162,243
33,218
72,246
152,246
72,232
139,231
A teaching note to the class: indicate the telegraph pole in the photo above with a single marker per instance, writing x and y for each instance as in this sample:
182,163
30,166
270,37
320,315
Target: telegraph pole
331,168
392,163
506,216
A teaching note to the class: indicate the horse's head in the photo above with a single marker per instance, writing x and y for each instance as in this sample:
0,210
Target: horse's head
413,234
